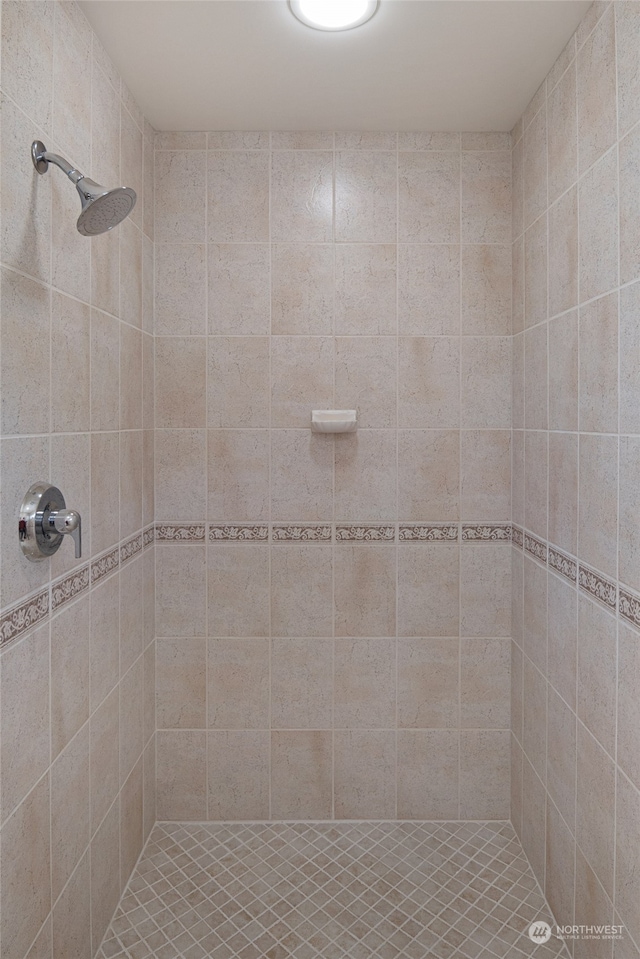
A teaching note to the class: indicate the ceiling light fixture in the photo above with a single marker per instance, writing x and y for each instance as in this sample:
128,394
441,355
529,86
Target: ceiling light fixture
333,14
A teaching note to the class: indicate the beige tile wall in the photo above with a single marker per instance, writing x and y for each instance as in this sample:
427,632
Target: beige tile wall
576,443
327,643
77,759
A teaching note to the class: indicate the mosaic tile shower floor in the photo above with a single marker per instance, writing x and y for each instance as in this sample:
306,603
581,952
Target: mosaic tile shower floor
332,890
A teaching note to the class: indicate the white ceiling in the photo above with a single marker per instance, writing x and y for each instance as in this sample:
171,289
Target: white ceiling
250,65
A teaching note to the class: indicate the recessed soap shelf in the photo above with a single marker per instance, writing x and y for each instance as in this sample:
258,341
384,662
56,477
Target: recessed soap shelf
334,421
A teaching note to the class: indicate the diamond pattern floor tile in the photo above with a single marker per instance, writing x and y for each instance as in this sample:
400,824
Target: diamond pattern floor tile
331,890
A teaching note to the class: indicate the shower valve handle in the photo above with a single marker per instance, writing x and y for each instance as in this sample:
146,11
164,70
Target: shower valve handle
44,521
68,521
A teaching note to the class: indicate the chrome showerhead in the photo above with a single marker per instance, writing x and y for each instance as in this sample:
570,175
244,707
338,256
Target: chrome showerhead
102,209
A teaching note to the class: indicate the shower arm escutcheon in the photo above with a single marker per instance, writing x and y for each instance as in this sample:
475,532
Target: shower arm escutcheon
42,158
44,521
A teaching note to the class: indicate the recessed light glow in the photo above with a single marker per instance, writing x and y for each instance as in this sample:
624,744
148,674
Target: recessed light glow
333,14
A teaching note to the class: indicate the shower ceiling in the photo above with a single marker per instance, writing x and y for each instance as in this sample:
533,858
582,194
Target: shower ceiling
418,65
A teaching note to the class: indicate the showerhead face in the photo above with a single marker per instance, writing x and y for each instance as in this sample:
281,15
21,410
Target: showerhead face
103,209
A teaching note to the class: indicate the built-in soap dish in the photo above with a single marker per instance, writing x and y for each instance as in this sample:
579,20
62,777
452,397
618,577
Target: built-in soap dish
334,421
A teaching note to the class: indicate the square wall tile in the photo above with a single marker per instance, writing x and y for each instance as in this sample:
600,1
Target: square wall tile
364,774
302,465
238,763
429,289
301,590
428,590
237,196
486,197
181,774
428,684
180,178
365,289
429,197
365,590
302,288
239,281
301,775
429,382
366,379
365,683
238,683
238,476
238,381
238,577
365,487
301,683
180,683
484,773
301,196
366,197
485,678
428,773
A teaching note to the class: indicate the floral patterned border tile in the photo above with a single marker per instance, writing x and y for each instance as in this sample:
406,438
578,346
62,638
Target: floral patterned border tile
598,586
517,536
365,534
432,533
68,588
239,534
104,565
131,547
180,532
482,533
535,547
629,607
301,534
148,536
14,622
562,564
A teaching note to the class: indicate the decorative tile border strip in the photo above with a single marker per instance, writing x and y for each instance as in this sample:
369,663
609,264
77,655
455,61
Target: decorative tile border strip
304,534
493,533
129,549
16,621
365,534
180,533
596,585
238,534
535,547
629,607
68,588
104,565
562,564
433,533
148,536
517,536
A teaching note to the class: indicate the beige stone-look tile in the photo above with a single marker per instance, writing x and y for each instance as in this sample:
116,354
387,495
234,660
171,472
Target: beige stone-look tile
70,257
238,196
517,290
25,375
563,253
629,334
105,874
489,142
182,774
428,773
181,685
485,679
628,704
238,683
365,140
238,288
149,692
597,672
595,807
428,475
180,376
238,381
131,614
105,272
535,273
180,289
486,290
365,683
559,868
70,333
131,140
301,196
147,285
485,591
627,886
598,212
599,365
302,288
365,196
180,178
484,773
26,888
181,589
365,591
534,801
629,206
517,477
238,476
562,637
428,590
180,141
429,382
239,140
70,465
422,140
592,904
131,719
104,769
69,673
536,482
301,476
364,774
516,786
562,140
365,485
27,52
535,614
428,684
301,590
130,482
301,684
486,197
105,371
517,188
70,810
517,382
535,166
365,378
24,756
563,372
534,738
130,378
429,197
105,128
149,789
598,502
562,64
485,491
130,308
486,382
429,289
72,916
238,786
561,756
301,378
180,472
596,92
238,579
365,288
626,27
563,490
104,639
130,822
301,774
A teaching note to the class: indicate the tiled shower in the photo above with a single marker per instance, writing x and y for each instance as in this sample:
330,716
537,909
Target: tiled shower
431,625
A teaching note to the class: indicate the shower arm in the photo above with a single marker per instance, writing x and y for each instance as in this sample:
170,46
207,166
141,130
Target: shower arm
42,158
